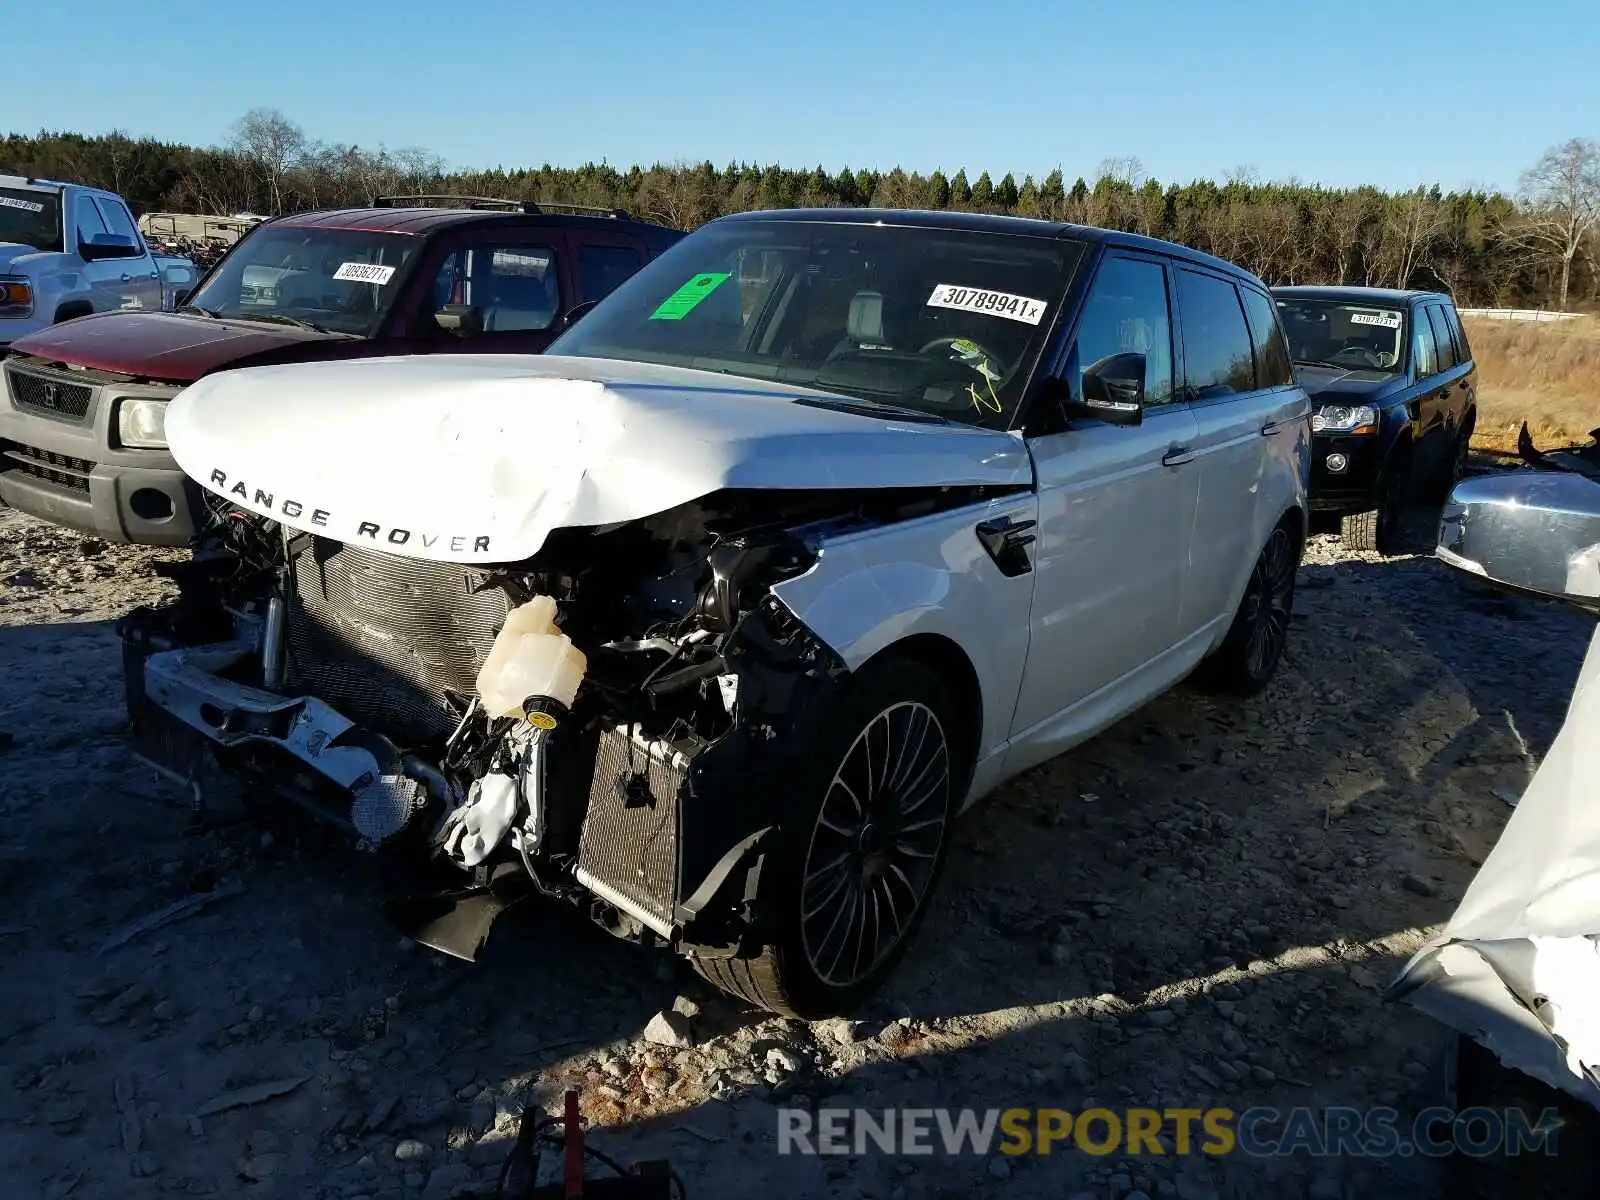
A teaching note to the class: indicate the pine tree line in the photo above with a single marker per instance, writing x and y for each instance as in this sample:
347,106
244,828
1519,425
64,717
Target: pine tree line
1486,248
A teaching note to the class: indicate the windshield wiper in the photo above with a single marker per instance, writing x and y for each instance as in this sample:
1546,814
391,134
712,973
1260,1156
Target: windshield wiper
284,319
874,408
1321,362
195,308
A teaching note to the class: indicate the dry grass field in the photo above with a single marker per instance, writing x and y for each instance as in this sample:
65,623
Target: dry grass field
1545,374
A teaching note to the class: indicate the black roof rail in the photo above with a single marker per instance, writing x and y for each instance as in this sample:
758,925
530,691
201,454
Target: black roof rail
425,200
499,204
598,210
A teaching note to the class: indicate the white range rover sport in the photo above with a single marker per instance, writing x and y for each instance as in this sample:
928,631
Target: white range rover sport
712,619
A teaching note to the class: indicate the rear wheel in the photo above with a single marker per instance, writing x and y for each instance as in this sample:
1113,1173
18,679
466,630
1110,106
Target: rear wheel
862,843
1250,654
1456,469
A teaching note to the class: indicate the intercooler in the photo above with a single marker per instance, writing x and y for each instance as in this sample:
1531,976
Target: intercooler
383,638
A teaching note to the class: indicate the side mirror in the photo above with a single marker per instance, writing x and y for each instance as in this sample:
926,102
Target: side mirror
1113,390
1536,533
463,320
107,245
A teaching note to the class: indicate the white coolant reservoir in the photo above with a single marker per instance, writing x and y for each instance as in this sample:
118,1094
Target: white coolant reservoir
530,657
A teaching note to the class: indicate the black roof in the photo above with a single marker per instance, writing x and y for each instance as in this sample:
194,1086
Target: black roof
992,223
1336,291
425,221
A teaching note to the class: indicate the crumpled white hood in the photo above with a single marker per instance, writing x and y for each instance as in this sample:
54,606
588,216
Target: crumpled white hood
476,458
1518,965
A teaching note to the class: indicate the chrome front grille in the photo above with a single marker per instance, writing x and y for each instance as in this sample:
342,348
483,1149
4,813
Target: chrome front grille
49,392
385,639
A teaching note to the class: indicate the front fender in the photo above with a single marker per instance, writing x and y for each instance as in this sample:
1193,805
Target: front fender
871,589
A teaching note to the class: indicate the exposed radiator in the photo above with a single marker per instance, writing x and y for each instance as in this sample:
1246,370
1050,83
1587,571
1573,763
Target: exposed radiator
630,834
383,638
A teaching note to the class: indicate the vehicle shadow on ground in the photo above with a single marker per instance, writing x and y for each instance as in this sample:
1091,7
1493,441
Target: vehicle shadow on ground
1235,881
1197,907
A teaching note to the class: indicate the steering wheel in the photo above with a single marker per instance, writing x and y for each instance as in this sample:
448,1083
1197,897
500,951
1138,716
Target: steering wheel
968,348
975,358
1369,356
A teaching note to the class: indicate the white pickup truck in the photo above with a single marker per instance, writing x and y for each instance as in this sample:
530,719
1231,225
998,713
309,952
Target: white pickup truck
67,251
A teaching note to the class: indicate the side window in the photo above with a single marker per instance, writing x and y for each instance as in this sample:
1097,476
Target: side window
1217,357
1422,345
1266,335
1441,337
602,268
514,288
89,220
524,289
117,219
1461,334
1127,312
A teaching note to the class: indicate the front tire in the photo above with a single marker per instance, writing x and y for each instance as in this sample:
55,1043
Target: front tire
1250,654
862,842
1380,530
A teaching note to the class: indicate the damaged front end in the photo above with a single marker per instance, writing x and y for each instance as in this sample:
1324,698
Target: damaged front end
606,723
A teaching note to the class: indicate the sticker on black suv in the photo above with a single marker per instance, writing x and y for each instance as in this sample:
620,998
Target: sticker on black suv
992,304
361,272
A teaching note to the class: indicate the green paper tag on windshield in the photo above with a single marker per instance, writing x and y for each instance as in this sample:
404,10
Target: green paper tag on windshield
682,302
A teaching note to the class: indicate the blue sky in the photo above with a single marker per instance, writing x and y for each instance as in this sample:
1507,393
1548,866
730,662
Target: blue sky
1459,92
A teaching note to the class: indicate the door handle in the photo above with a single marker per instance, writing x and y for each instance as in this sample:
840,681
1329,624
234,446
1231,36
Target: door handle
1177,456
1268,428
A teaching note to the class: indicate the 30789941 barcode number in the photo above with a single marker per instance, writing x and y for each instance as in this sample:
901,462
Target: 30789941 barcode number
995,304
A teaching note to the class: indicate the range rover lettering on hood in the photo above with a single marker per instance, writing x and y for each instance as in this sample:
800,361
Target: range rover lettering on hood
477,458
297,512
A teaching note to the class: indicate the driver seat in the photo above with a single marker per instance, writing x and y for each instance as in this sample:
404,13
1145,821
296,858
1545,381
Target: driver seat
863,327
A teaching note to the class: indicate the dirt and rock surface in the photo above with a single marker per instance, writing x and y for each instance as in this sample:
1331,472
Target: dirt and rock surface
1199,907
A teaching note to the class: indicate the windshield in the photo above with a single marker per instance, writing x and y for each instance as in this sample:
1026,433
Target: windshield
339,280
1344,333
944,322
31,218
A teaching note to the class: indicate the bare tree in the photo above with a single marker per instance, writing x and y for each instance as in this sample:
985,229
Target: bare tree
1562,191
273,143
674,195
1339,222
1126,168
1412,221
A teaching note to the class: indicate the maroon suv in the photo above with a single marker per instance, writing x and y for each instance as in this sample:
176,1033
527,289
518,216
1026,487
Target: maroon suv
82,440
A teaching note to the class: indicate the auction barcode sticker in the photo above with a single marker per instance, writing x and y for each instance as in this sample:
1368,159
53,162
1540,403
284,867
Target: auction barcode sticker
25,205
1387,320
993,304
364,272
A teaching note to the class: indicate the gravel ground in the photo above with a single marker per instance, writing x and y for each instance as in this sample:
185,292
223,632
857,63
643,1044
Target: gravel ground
1198,907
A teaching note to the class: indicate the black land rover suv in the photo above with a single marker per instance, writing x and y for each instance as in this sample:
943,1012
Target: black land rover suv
1393,388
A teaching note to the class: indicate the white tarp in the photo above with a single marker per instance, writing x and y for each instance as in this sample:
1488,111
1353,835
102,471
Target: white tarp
1517,967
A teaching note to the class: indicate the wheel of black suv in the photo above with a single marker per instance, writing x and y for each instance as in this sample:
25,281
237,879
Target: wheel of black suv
1379,530
863,840
1456,469
1250,654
